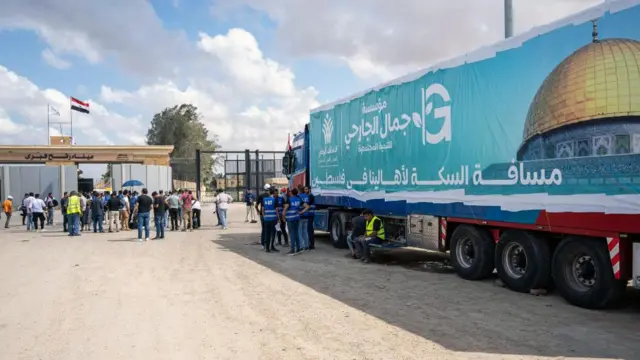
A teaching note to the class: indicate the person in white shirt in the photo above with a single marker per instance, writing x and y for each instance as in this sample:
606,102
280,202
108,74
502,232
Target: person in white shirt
195,206
27,207
37,207
222,201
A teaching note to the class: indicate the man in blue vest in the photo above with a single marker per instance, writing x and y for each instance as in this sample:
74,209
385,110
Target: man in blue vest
310,215
266,193
292,209
269,215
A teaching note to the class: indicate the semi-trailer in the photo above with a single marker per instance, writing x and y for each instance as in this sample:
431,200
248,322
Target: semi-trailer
522,157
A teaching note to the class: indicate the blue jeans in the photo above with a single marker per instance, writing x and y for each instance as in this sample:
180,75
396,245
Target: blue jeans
74,224
143,220
180,215
164,220
51,212
294,234
159,220
97,223
29,221
350,243
223,217
304,233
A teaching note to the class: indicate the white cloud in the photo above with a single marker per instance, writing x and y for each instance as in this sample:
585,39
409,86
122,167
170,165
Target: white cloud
379,38
23,115
54,60
257,93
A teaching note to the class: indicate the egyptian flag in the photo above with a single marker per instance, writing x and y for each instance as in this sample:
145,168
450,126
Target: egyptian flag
79,106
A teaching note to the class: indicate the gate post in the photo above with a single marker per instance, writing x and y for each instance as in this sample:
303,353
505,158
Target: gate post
247,169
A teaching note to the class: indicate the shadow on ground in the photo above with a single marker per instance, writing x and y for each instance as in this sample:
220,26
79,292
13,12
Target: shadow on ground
459,315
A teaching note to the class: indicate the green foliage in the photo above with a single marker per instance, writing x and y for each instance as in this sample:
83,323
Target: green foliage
106,176
181,126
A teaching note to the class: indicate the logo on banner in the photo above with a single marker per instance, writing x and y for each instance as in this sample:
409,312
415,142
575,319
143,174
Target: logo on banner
327,129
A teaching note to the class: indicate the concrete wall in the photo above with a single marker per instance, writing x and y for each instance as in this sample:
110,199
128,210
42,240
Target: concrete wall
17,180
154,177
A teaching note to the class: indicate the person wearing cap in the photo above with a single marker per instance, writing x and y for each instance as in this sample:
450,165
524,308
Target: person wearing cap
7,207
259,204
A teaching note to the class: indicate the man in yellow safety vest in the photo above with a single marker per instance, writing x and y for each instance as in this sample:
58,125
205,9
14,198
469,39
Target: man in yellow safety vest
74,211
374,234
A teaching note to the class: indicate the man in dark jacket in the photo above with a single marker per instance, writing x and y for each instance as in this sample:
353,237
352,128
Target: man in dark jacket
97,212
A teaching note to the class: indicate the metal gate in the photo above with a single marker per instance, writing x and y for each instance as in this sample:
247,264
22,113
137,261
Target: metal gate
232,174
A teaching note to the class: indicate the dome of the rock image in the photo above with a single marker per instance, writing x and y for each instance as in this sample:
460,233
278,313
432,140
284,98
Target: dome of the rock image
588,105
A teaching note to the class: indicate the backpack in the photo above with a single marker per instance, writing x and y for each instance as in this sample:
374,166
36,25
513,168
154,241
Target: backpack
55,203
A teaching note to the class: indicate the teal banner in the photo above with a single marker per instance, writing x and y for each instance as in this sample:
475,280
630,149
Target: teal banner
559,114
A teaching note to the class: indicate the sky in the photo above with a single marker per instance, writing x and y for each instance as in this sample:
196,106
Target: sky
248,65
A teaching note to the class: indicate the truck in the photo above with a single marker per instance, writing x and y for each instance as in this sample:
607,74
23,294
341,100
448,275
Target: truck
521,158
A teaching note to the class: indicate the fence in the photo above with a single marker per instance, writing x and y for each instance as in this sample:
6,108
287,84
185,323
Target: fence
234,175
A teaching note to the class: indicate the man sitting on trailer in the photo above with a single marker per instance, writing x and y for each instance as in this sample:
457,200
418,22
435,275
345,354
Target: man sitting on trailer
374,234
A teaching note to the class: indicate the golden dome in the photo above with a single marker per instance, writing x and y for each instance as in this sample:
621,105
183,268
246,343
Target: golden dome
599,80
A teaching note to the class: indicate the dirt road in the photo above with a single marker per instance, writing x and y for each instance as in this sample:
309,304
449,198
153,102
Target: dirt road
211,295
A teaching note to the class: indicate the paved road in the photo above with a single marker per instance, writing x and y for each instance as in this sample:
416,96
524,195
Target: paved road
211,295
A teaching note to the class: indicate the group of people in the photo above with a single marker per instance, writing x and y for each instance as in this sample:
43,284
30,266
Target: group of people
122,210
287,214
33,209
368,230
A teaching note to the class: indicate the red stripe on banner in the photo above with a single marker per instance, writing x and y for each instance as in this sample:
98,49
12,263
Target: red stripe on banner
613,243
79,102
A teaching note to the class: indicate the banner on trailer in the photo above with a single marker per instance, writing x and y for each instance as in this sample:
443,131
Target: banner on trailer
559,114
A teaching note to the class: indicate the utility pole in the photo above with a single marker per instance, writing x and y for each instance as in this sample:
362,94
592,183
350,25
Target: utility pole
508,18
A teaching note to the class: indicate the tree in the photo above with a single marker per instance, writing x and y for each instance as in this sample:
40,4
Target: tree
106,176
181,126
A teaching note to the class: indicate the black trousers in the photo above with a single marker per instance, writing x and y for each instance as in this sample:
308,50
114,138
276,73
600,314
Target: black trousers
269,234
196,218
65,222
173,213
38,216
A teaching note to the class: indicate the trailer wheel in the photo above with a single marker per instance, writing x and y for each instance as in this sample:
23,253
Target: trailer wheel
472,252
338,231
523,261
583,273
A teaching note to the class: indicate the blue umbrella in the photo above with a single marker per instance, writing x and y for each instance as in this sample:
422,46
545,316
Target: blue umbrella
131,183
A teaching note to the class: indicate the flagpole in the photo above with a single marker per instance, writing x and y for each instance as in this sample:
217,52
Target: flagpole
71,119
48,125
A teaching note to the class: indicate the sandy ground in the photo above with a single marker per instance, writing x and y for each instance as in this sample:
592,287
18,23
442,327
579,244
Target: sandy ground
210,294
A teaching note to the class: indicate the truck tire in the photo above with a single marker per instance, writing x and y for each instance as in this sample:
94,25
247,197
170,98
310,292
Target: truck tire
472,252
523,261
583,274
338,231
